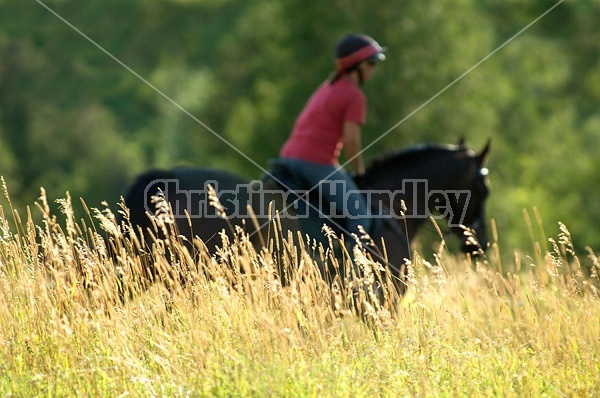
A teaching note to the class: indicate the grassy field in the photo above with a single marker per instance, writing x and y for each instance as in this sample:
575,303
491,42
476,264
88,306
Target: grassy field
463,329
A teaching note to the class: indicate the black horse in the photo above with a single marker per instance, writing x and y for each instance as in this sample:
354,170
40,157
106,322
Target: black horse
404,188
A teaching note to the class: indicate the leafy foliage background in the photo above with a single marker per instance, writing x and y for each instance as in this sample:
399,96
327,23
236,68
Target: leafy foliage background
72,119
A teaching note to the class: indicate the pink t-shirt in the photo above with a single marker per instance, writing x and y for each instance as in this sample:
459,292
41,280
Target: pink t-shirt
317,134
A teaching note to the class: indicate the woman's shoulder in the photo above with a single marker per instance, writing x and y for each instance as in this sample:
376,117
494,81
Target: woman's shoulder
346,87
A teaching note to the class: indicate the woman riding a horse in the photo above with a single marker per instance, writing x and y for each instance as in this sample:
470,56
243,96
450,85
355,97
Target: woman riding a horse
331,120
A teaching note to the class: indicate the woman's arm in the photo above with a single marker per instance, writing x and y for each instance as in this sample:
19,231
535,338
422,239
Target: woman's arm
353,146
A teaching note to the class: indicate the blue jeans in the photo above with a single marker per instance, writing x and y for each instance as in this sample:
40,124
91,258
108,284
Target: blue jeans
337,189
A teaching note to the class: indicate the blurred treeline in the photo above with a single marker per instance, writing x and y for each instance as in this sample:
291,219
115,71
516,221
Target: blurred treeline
73,119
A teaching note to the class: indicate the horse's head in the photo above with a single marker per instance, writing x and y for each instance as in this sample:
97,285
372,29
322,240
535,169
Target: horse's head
468,209
442,181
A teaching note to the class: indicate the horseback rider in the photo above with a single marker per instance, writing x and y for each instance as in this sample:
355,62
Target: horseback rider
331,120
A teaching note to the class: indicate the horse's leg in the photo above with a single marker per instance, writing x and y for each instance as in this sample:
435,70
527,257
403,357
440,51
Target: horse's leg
393,252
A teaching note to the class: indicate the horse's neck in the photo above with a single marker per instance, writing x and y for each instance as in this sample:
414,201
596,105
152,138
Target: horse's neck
409,187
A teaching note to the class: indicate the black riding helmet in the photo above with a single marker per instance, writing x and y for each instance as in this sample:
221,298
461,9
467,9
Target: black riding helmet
356,48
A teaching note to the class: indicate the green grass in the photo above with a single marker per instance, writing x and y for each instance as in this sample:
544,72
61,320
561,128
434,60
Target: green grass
462,329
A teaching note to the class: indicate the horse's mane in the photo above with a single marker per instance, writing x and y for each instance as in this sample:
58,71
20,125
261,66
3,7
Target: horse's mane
410,155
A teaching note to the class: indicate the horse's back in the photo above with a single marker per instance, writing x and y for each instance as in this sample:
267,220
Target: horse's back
186,190
191,178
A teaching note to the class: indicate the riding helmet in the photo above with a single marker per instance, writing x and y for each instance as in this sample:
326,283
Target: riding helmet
356,48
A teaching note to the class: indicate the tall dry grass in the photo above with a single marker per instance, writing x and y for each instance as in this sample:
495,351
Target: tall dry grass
79,320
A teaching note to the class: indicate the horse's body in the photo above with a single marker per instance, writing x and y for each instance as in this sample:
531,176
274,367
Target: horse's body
407,186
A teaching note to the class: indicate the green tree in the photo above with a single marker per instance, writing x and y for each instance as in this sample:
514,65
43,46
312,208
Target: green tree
238,73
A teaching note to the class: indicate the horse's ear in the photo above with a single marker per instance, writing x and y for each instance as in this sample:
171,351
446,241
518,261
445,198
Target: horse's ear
483,155
461,142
